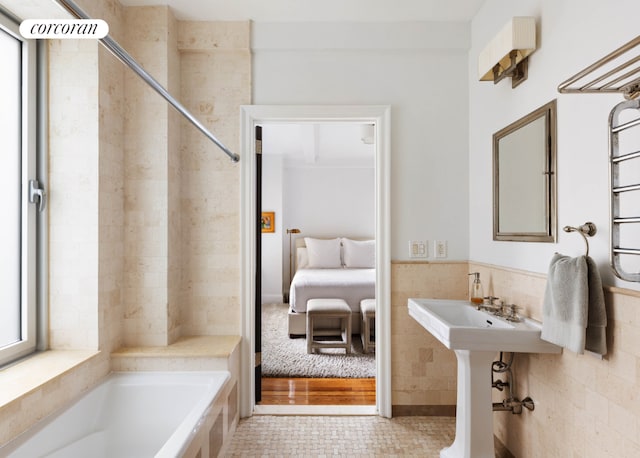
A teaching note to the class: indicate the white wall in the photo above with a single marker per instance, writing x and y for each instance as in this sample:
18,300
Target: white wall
320,201
330,201
572,35
325,201
420,69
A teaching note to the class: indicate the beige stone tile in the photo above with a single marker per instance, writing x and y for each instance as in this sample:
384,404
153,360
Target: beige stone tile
341,436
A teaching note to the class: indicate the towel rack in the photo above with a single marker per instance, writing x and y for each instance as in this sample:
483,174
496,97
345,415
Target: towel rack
587,229
625,195
618,71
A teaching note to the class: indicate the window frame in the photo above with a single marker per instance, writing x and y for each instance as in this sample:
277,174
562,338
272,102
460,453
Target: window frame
30,226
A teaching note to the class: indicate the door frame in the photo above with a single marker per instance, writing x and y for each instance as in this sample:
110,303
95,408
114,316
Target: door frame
252,115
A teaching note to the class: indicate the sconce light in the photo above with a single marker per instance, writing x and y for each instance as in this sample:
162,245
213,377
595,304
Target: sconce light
507,54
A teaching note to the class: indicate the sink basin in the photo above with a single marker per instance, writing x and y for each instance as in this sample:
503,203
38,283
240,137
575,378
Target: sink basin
460,326
475,336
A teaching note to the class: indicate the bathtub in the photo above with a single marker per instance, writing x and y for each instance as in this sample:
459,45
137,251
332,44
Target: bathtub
129,414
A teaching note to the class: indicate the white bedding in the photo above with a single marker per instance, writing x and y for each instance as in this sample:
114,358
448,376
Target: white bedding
352,285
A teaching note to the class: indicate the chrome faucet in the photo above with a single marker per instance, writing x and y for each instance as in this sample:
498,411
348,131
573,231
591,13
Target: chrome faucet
489,304
493,305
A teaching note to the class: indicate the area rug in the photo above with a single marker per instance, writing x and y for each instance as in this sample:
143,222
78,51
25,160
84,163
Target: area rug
286,357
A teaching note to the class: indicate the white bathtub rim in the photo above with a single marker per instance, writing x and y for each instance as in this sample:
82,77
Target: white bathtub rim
177,443
174,445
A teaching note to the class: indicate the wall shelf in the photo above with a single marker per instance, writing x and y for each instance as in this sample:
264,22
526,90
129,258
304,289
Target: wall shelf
617,72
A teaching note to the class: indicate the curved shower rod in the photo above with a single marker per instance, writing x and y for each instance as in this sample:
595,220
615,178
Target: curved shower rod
130,62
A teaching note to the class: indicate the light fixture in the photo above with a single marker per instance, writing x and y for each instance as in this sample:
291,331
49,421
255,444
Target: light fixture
367,134
507,54
291,231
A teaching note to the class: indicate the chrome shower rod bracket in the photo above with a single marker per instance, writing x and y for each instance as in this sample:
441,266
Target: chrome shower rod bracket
124,57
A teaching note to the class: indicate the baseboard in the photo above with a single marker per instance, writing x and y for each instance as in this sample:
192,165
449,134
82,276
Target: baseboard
423,411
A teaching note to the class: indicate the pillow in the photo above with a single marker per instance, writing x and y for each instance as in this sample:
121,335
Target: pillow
302,259
323,254
359,254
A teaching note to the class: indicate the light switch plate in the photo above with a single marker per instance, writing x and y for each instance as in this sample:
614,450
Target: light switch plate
418,249
440,248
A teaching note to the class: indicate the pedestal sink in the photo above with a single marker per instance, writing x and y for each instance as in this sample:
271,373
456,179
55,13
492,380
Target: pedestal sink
475,336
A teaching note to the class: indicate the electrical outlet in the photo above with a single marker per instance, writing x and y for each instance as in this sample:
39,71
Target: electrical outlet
418,249
440,248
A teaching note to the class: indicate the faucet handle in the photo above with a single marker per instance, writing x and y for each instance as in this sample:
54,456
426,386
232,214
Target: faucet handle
511,312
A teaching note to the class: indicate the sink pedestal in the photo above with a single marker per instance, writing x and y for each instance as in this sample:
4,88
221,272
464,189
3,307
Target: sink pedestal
476,337
474,410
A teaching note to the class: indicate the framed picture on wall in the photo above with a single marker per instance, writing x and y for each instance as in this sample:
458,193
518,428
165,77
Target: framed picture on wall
268,222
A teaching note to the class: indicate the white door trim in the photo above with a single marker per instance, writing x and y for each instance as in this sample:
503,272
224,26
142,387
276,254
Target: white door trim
252,115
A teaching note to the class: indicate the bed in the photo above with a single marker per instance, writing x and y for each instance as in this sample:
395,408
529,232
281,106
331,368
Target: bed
341,268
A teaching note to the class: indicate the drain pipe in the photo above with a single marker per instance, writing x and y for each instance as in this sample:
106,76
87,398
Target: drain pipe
511,403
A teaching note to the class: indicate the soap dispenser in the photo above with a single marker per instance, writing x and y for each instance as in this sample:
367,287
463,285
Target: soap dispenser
475,291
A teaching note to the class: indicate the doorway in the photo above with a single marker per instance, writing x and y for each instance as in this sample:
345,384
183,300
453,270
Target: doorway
318,181
259,114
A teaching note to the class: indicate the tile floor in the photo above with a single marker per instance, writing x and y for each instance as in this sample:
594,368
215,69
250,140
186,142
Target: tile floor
346,436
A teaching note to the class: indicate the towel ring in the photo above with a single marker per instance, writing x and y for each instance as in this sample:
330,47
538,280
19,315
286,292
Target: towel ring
587,229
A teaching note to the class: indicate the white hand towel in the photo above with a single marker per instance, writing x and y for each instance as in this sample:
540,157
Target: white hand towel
573,313
564,312
596,340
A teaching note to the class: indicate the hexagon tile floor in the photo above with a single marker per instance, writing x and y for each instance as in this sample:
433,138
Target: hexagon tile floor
344,436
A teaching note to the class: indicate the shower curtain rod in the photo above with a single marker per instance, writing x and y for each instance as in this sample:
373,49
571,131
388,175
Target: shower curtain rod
130,62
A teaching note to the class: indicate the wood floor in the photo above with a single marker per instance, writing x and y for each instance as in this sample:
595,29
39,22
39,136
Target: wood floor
318,391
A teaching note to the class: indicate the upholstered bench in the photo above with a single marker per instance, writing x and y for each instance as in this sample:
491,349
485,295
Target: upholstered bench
328,308
368,312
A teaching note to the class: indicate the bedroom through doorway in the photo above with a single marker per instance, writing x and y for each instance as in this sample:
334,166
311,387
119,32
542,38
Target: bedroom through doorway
253,116
317,182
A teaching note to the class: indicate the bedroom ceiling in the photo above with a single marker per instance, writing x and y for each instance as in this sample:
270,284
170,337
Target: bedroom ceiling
323,11
318,144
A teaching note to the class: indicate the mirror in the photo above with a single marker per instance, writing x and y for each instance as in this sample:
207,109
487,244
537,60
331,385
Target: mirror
524,178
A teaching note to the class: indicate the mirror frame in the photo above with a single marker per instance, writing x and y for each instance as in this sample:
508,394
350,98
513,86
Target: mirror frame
549,113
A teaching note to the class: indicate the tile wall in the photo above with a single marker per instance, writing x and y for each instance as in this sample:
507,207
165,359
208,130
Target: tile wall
584,406
215,80
86,191
423,379
73,204
147,151
110,186
182,192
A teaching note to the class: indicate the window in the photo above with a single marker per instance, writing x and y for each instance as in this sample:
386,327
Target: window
18,234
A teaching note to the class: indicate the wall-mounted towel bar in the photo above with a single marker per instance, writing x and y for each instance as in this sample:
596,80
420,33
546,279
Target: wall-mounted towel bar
130,62
624,162
587,229
618,71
